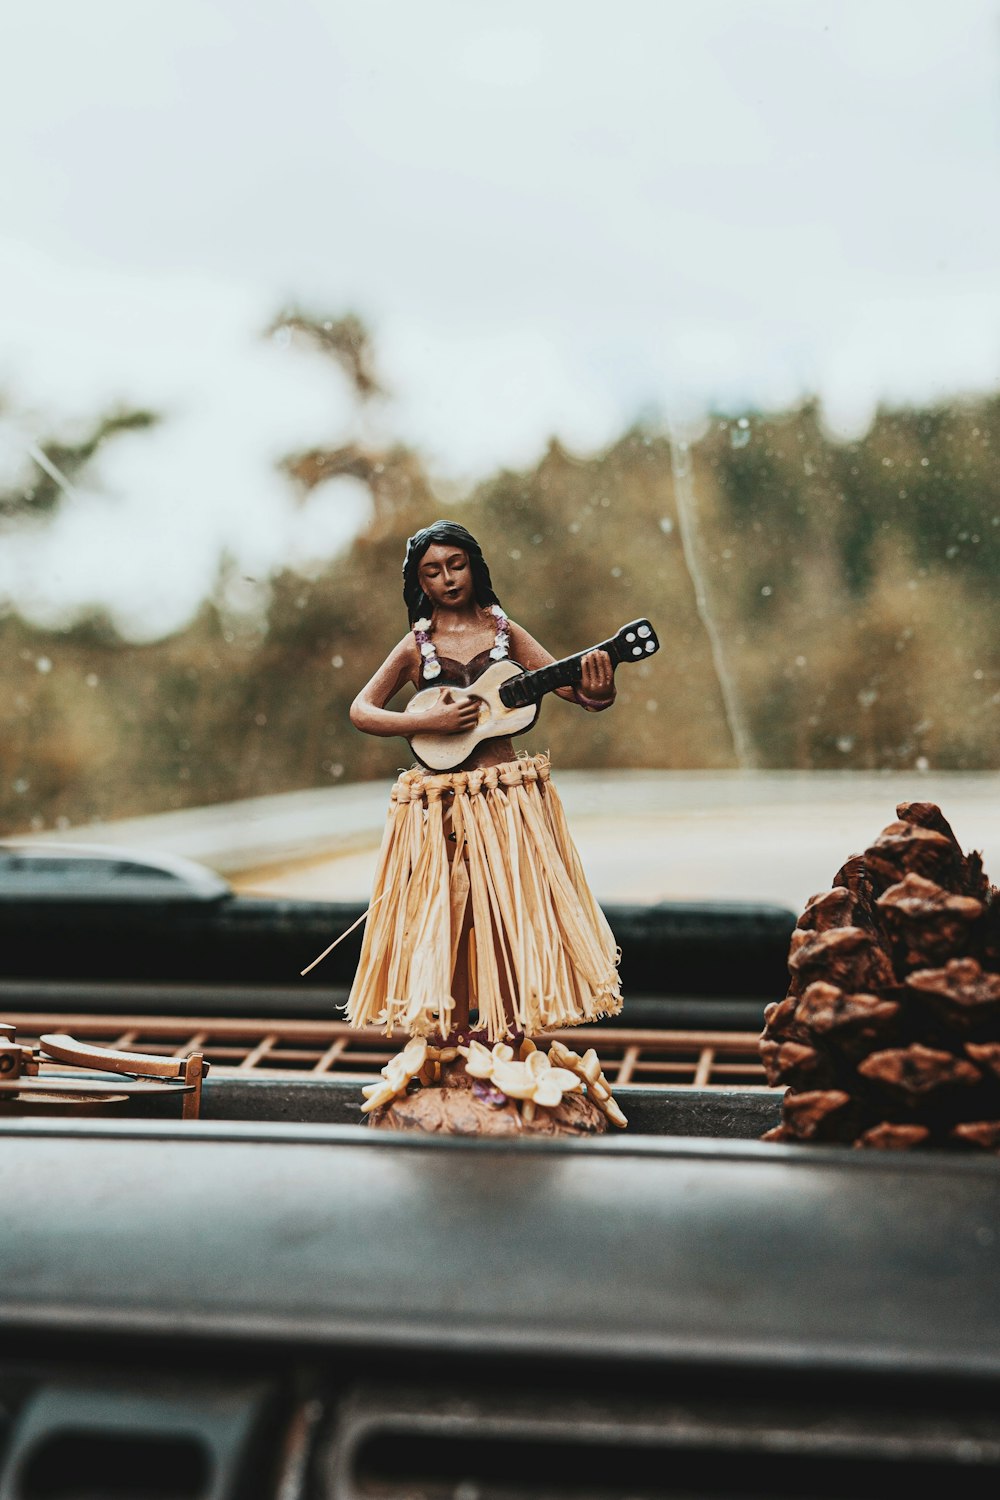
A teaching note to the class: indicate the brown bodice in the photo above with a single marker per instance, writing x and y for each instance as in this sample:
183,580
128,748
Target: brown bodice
458,673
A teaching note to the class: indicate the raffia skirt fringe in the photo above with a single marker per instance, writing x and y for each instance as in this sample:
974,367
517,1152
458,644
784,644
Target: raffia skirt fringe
541,953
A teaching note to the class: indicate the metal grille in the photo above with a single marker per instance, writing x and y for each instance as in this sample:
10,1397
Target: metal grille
280,1049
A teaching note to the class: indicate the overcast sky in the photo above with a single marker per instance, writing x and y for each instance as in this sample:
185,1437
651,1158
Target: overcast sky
554,216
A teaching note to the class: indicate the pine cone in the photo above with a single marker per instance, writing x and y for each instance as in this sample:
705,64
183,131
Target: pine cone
889,1036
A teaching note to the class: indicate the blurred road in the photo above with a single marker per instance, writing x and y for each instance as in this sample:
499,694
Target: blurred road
643,835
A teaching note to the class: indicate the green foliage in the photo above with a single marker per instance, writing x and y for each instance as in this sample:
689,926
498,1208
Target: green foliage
44,495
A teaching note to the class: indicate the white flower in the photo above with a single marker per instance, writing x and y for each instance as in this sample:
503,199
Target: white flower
498,653
432,668
426,649
496,610
397,1074
422,625
532,1078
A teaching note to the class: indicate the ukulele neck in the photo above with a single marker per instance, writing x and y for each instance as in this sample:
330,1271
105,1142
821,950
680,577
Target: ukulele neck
529,687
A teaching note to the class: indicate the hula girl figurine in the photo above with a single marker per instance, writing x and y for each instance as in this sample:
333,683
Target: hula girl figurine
480,905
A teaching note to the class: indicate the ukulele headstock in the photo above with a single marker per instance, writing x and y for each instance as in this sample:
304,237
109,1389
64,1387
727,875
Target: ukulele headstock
634,641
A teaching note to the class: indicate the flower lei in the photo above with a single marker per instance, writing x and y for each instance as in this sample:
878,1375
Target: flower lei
432,667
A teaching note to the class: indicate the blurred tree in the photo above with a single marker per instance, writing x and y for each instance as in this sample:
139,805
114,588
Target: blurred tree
395,474
854,585
346,339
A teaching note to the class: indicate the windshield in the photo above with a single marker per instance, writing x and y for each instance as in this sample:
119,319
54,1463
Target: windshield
687,313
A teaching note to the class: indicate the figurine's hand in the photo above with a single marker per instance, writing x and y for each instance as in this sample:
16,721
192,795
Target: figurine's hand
598,676
451,714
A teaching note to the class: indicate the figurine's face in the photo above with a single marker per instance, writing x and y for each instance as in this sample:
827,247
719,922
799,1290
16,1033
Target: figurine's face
445,575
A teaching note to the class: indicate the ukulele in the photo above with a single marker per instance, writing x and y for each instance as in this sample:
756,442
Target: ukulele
509,697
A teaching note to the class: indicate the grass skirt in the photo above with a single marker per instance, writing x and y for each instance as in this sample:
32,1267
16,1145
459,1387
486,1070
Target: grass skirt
540,954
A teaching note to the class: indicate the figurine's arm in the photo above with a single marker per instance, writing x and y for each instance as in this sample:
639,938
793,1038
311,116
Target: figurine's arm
596,689
370,715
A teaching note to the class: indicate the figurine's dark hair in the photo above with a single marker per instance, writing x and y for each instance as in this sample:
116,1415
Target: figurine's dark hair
444,533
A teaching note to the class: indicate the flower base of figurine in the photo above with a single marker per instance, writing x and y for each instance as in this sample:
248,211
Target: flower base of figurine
459,1085
461,1105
